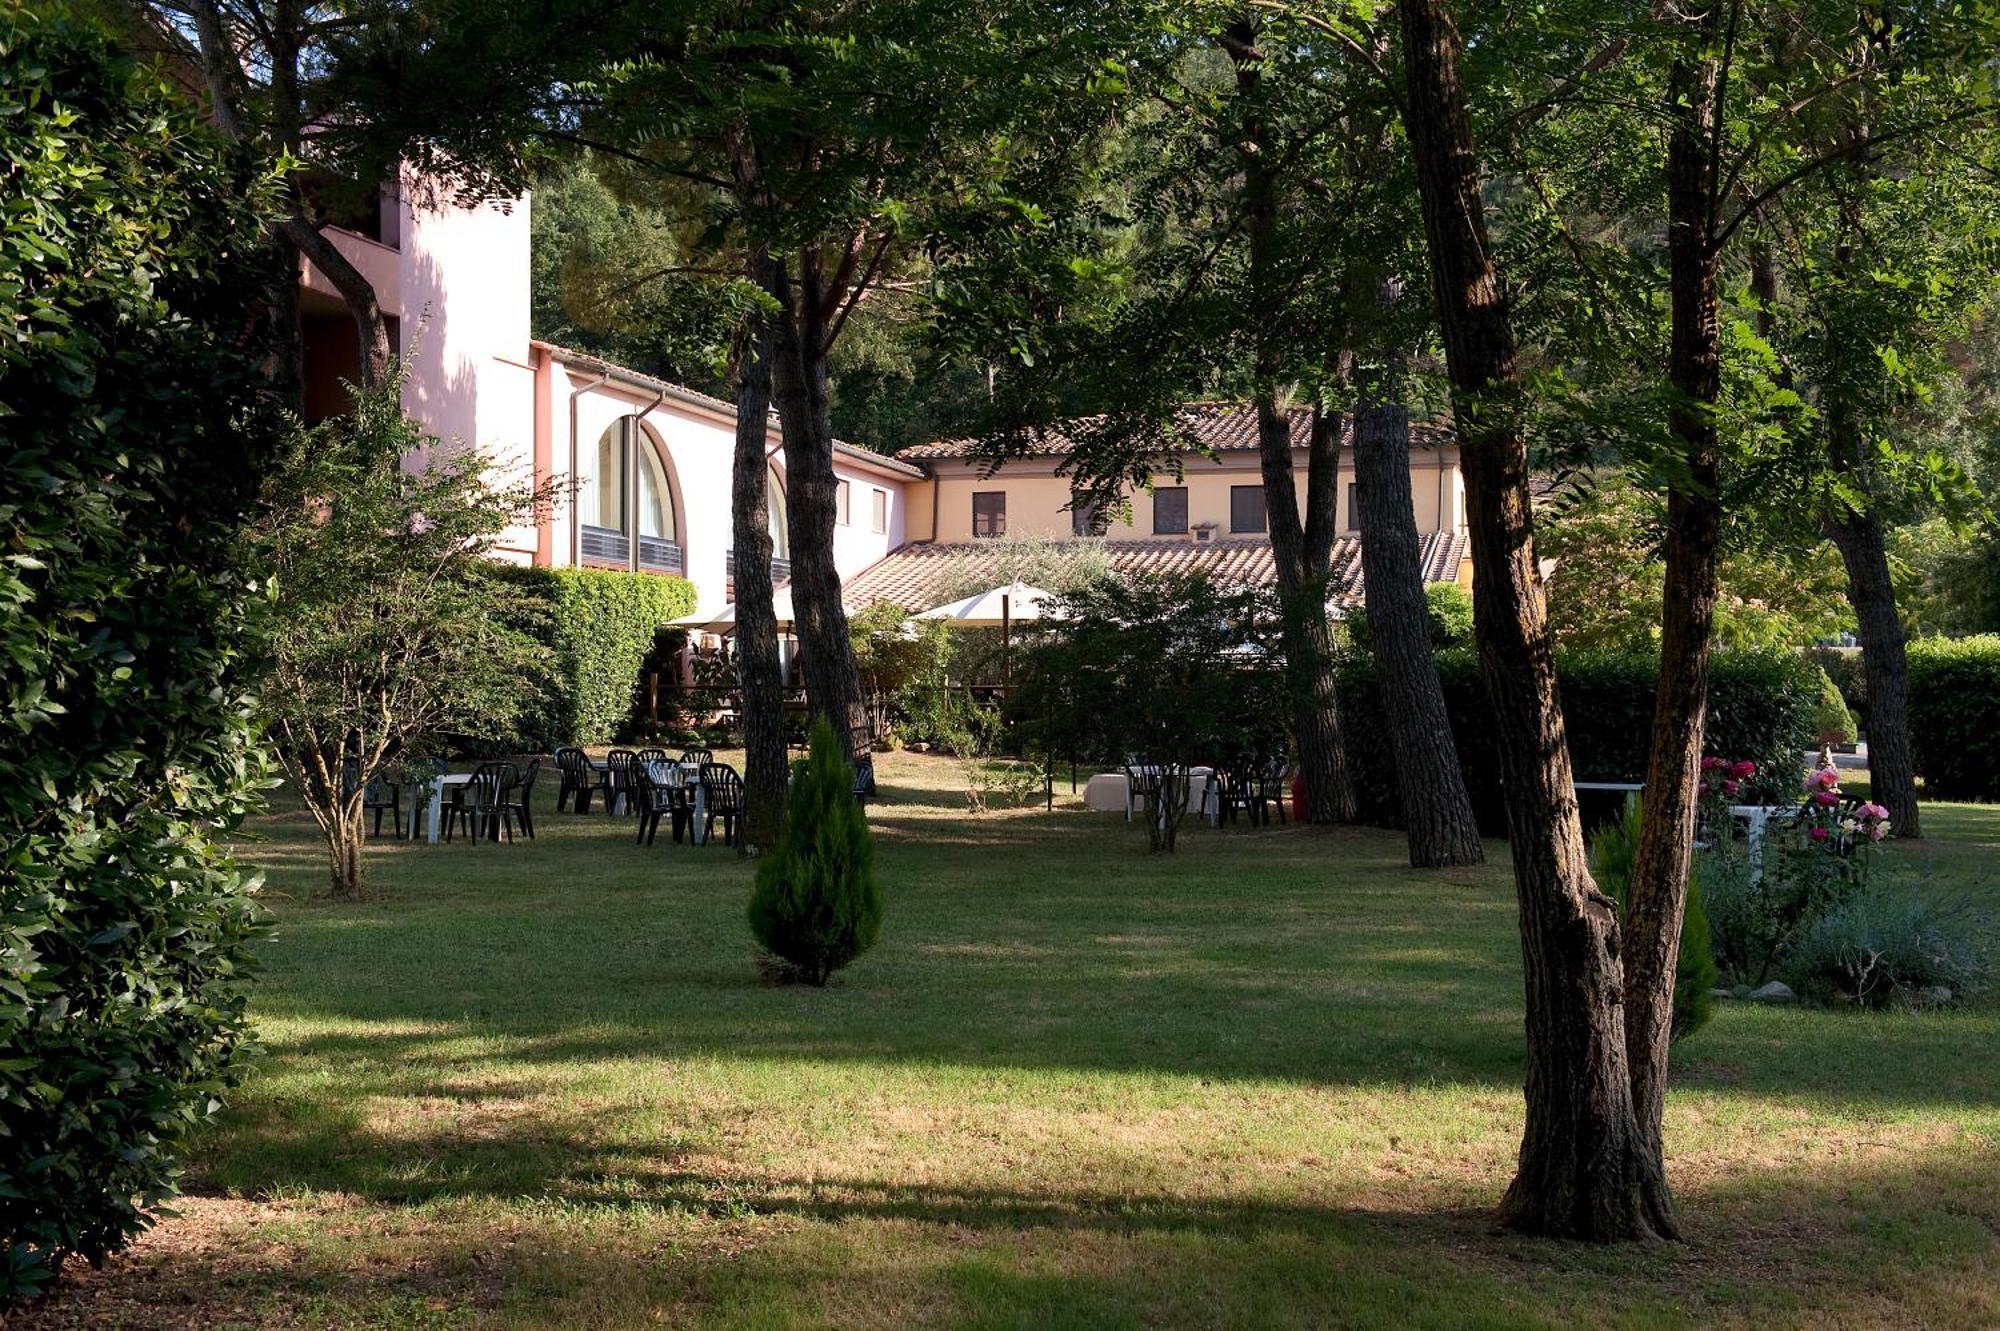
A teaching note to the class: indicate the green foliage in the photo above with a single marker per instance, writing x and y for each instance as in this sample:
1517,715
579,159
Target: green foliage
1449,606
599,626
1844,666
1831,721
1955,716
1060,566
817,905
1760,708
1166,667
136,426
1881,945
393,634
1611,855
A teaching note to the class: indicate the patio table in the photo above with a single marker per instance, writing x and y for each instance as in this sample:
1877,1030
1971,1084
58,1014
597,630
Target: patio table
1200,779
1756,818
435,806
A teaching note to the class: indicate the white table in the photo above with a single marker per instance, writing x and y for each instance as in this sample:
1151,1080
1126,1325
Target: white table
436,803
1756,818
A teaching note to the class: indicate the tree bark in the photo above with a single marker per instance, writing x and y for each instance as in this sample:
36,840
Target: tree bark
1656,896
1301,550
1437,810
1585,1170
799,386
371,329
1884,662
765,771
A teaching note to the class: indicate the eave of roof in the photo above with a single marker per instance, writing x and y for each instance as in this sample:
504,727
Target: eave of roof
715,406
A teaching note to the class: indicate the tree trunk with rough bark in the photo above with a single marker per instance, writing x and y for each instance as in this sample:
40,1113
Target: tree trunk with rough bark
371,329
1656,896
1585,1171
1437,810
1301,549
799,387
765,771
1885,663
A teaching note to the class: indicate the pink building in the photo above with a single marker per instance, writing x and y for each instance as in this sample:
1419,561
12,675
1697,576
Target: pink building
644,466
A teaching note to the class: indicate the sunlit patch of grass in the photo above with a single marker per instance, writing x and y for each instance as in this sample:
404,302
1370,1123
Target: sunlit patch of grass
1270,1081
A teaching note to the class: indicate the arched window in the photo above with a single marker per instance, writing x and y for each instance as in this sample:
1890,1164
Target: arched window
774,504
626,507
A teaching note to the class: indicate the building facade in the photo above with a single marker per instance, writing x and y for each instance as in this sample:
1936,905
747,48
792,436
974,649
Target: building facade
642,467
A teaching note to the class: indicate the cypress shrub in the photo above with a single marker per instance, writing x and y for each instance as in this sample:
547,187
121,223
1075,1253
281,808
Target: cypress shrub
1955,716
1761,706
137,428
1695,971
816,906
600,625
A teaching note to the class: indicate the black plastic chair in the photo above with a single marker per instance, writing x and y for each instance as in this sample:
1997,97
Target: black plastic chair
375,801
722,795
522,801
579,780
661,799
618,779
1269,789
696,759
482,809
654,756
864,780
1142,782
1235,792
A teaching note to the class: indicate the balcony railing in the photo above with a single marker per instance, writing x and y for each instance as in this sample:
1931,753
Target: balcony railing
659,555
656,553
781,569
604,544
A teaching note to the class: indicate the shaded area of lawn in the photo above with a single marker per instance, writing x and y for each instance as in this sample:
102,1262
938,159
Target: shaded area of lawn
1270,1081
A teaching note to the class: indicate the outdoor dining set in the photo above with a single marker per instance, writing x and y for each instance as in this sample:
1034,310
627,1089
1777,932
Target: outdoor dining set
692,793
1251,789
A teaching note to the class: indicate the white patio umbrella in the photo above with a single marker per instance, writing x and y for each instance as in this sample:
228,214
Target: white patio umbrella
998,607
722,619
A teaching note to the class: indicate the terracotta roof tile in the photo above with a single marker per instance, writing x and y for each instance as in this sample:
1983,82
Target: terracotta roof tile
1213,426
920,576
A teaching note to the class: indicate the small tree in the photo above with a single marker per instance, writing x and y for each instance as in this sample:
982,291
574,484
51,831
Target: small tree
393,631
817,906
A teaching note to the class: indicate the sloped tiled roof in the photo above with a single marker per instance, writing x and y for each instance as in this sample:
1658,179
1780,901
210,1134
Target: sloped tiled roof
920,576
1220,427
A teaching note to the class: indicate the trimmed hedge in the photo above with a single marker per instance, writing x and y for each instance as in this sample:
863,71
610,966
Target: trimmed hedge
1761,707
1955,716
599,625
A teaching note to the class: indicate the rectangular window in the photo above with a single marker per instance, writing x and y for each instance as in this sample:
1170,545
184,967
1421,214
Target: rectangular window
841,500
989,513
1085,520
1353,510
880,500
1246,508
1170,510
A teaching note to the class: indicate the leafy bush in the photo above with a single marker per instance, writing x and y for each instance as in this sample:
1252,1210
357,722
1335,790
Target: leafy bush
1832,723
817,906
600,625
136,428
1881,944
1843,665
1760,708
1449,606
1955,716
1611,855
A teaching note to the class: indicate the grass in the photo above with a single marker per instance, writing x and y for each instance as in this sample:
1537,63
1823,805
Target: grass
1272,1081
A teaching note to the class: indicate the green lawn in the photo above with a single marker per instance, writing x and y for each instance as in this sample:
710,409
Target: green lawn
1269,1082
